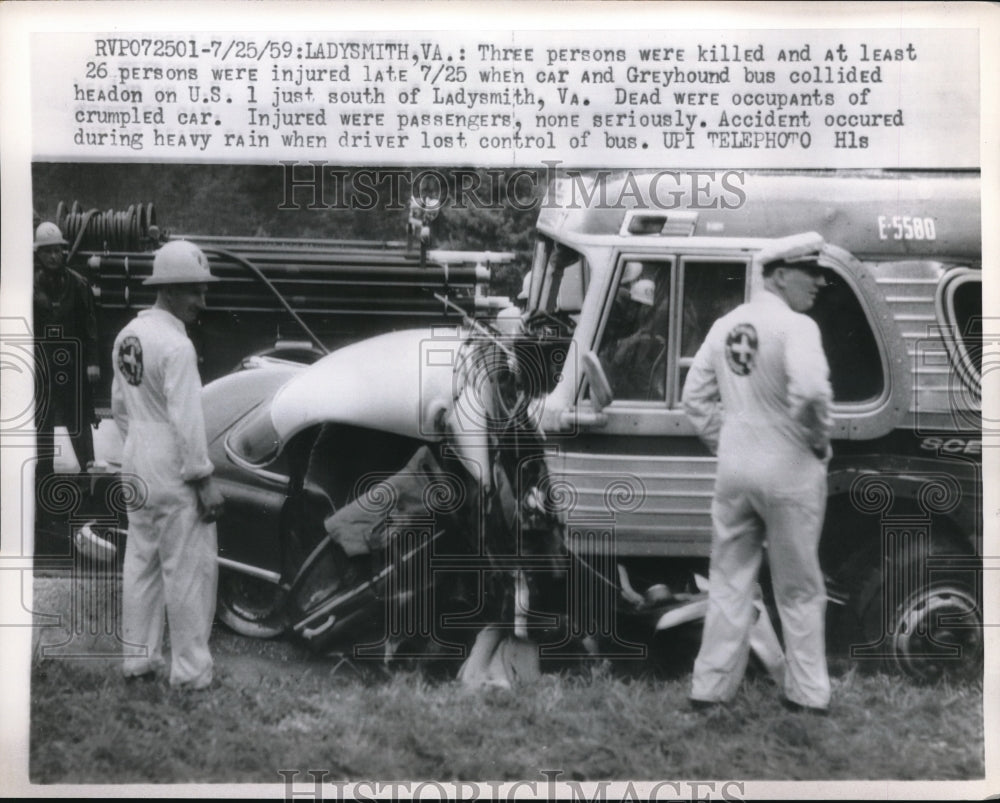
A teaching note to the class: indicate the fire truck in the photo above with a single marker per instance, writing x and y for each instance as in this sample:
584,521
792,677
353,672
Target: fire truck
295,297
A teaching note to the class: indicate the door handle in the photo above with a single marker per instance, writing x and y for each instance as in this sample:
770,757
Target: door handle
310,632
575,418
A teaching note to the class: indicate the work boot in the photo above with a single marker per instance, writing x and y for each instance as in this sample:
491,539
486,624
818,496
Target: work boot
798,708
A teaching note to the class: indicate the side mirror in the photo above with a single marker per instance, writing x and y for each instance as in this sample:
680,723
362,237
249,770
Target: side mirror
600,389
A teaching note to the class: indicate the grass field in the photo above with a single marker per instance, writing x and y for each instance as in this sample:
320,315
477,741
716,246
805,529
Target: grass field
274,707
87,727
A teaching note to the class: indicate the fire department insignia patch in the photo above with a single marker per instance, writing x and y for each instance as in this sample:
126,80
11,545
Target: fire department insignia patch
741,349
130,359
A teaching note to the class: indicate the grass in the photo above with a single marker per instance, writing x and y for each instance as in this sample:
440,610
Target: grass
88,726
274,706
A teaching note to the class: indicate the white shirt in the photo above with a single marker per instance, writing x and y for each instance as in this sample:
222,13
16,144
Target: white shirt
761,381
156,402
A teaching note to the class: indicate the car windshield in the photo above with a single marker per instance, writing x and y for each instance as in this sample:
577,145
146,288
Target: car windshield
559,280
253,441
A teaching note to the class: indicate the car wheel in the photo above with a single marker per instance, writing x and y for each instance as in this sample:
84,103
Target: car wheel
251,606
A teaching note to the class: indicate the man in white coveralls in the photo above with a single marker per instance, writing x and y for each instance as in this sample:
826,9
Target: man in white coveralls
170,554
759,395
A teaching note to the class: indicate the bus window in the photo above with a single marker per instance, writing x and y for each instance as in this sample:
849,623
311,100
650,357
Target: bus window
710,289
856,370
963,314
967,310
633,350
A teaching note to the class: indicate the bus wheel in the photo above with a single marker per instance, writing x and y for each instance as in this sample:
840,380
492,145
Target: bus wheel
934,631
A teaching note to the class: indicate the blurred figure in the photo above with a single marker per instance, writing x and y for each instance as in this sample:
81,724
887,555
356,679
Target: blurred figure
525,294
508,320
635,362
65,328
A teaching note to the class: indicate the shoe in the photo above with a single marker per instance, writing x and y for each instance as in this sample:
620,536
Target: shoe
704,705
188,687
144,677
798,708
202,683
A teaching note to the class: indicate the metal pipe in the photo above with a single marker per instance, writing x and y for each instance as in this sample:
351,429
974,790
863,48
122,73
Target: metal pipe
252,571
293,270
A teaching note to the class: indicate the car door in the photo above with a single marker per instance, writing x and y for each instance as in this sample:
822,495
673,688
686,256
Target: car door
639,469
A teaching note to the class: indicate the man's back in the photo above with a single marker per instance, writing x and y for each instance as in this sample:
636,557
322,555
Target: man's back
156,401
765,362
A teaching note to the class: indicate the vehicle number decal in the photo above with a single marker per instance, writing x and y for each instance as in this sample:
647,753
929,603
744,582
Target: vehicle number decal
906,227
953,445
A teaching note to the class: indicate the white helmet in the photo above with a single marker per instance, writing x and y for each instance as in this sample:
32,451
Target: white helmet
48,234
180,262
633,270
508,321
643,292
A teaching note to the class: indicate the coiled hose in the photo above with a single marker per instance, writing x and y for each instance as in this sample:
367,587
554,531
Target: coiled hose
133,229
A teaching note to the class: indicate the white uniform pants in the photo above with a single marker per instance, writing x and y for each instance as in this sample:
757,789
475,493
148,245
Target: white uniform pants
170,564
786,507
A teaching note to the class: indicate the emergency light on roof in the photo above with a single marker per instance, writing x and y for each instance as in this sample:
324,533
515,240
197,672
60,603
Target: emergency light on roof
669,224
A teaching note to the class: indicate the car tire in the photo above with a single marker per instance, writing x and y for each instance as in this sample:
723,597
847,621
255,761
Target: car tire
251,606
